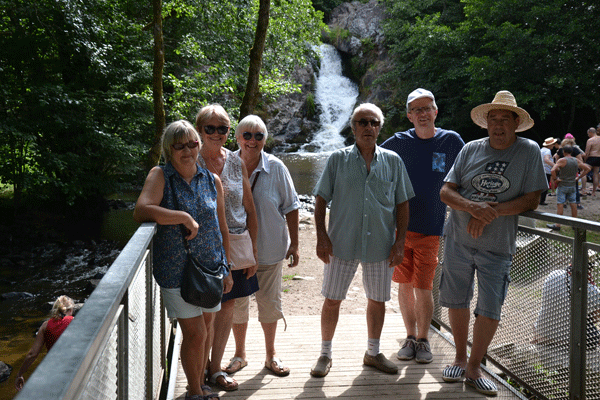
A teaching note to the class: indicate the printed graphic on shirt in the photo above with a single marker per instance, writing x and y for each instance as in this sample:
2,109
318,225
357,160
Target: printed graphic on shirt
439,162
491,182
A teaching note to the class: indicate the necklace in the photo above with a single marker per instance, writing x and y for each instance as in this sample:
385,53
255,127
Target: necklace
211,165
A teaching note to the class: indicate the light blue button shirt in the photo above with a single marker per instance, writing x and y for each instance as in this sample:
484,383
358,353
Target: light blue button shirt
362,220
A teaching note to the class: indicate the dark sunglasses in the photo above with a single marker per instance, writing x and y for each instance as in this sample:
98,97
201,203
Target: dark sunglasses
374,123
192,144
258,136
221,130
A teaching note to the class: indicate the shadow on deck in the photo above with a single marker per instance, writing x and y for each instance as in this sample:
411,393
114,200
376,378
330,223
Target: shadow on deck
299,348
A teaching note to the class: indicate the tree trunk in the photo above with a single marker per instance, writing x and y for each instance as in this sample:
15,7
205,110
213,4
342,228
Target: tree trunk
251,95
157,84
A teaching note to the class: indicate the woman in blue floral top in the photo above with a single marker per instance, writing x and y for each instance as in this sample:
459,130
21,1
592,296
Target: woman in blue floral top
201,210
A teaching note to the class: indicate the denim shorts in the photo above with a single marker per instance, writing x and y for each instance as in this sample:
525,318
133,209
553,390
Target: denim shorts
566,194
457,279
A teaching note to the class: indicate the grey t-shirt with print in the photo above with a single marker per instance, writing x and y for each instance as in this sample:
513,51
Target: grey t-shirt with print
483,173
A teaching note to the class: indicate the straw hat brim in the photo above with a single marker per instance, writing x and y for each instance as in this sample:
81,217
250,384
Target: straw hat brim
479,115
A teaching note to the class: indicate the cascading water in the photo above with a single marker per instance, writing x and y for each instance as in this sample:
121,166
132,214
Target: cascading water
336,96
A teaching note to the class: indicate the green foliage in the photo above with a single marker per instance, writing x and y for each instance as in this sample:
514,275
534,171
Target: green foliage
465,51
76,115
311,106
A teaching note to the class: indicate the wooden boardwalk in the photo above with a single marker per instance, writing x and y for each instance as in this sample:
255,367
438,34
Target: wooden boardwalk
299,348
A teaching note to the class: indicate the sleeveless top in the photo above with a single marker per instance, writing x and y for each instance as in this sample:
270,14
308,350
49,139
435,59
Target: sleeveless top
54,328
233,188
568,173
199,199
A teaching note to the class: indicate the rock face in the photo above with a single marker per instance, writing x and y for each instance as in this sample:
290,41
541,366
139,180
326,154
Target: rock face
5,371
356,32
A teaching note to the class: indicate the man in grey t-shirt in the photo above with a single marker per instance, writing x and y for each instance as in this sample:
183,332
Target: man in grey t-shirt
492,181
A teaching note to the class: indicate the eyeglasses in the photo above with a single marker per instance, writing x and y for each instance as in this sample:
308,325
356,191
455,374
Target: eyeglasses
374,123
258,136
421,110
192,144
221,130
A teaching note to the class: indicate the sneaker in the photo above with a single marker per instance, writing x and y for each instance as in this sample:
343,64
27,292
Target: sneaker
423,352
407,352
381,363
554,227
579,207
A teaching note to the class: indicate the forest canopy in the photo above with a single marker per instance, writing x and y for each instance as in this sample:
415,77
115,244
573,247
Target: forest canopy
76,101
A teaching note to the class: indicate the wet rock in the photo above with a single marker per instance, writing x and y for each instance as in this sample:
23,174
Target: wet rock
15,296
5,371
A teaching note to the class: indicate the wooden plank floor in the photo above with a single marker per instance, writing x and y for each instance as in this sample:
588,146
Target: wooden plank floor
299,348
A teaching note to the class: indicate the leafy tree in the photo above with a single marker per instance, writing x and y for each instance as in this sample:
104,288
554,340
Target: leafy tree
251,95
465,51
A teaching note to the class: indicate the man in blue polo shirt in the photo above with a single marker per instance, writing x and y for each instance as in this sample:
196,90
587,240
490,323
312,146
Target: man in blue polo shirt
368,189
428,153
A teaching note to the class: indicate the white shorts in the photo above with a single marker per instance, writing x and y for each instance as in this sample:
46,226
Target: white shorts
177,307
338,274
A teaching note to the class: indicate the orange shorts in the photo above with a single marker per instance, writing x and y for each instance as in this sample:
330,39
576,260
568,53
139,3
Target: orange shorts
420,261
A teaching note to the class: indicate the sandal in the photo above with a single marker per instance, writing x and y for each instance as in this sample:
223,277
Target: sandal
279,369
229,384
210,394
235,361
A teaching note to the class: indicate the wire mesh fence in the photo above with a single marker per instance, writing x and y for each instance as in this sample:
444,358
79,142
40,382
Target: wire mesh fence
536,337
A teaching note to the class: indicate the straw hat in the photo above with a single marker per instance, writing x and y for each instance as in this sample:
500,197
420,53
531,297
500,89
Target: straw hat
504,100
549,141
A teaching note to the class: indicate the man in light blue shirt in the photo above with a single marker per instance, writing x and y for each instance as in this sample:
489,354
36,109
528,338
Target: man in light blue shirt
368,188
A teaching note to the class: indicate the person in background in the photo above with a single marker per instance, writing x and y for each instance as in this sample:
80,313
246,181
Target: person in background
202,212
368,188
428,153
565,175
60,318
276,203
213,124
553,325
492,181
548,162
592,158
569,140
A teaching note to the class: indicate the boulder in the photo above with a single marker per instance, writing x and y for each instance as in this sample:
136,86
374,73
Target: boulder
5,371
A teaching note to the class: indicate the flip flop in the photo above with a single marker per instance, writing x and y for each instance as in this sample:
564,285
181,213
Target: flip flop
229,385
211,395
483,385
230,368
279,369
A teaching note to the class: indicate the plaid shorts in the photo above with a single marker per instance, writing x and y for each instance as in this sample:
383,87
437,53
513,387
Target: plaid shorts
338,274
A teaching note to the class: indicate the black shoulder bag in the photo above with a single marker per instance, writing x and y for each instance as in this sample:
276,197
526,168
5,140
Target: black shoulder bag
200,285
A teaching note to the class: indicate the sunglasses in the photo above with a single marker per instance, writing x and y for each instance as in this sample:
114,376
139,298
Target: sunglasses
221,130
192,144
258,135
374,123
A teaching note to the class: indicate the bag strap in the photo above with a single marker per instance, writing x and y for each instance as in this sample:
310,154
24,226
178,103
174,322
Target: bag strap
183,228
254,182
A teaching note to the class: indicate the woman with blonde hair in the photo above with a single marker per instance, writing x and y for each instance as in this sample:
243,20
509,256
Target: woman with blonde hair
183,193
60,317
213,125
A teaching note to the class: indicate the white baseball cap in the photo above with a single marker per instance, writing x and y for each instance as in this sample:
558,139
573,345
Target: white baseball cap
419,94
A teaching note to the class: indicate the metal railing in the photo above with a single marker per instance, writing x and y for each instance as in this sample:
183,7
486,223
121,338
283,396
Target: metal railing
116,346
563,367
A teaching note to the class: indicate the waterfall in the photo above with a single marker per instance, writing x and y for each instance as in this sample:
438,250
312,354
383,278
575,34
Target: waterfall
336,95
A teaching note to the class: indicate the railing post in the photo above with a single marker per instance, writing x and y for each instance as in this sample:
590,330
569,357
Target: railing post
149,329
123,351
577,364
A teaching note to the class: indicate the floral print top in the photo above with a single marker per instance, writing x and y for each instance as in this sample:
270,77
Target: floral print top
199,199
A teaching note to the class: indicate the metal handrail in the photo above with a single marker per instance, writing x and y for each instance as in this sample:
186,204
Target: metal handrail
66,369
